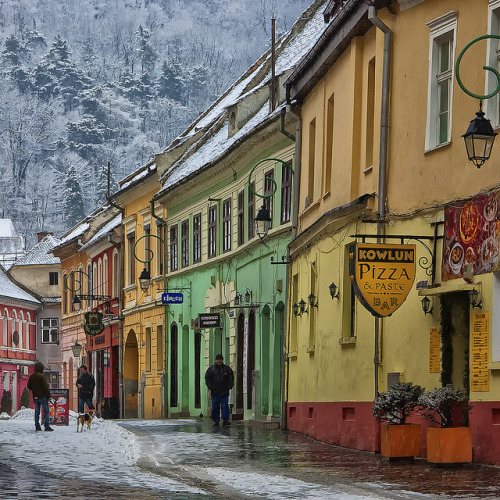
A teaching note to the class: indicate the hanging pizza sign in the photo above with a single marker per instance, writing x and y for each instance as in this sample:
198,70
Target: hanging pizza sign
382,275
93,323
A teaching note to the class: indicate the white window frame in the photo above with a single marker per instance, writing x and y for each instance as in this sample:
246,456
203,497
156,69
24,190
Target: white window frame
492,106
51,329
441,28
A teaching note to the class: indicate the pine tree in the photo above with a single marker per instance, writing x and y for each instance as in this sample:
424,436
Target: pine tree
145,50
170,81
74,208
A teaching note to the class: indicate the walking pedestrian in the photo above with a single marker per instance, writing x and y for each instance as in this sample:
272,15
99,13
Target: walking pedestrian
40,391
220,379
86,384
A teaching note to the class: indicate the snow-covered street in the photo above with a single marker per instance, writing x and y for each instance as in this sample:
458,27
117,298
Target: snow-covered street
189,459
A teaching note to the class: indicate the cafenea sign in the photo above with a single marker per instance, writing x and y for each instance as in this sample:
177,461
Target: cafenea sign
382,275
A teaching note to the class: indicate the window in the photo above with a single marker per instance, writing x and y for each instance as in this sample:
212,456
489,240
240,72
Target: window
131,258
268,189
212,231
147,248
349,304
441,57
185,243
105,275
197,238
49,330
310,170
160,251
54,278
330,133
286,194
226,225
173,248
241,218
251,211
148,349
370,115
493,59
116,274
159,348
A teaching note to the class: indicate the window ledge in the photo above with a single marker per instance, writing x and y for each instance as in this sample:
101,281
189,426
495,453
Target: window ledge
347,340
310,349
494,366
130,288
367,170
311,207
439,146
292,355
326,195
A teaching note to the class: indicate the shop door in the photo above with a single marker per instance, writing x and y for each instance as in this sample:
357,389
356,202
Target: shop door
173,367
131,376
197,370
240,340
251,359
455,316
186,369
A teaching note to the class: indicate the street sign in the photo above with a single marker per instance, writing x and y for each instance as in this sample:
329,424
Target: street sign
172,298
209,320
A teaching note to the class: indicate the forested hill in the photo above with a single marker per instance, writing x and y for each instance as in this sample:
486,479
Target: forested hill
84,82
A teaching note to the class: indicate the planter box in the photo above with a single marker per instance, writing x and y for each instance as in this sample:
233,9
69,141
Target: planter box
449,446
400,441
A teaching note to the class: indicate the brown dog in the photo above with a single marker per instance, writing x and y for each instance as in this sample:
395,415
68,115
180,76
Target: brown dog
84,418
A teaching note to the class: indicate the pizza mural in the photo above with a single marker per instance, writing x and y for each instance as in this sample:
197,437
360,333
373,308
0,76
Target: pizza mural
471,236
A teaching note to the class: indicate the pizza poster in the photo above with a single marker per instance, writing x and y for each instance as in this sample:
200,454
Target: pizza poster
59,406
471,236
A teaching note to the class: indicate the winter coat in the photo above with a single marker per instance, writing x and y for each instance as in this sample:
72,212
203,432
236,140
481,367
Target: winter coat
37,383
219,379
88,384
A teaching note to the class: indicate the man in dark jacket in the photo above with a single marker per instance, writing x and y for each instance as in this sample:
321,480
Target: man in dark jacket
40,391
86,384
220,379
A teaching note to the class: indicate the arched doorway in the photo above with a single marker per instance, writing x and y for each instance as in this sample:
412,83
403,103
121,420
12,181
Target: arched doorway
174,366
250,358
277,364
131,376
266,361
186,371
240,341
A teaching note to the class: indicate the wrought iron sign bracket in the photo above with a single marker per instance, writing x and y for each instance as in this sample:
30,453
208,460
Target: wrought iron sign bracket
424,262
284,260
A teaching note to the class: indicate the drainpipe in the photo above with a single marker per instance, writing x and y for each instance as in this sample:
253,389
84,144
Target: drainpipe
382,179
121,399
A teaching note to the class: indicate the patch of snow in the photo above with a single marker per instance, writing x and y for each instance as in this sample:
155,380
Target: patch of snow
7,228
12,291
103,231
40,254
111,452
74,233
140,174
4,416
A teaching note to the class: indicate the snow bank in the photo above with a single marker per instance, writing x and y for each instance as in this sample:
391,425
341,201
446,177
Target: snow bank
107,453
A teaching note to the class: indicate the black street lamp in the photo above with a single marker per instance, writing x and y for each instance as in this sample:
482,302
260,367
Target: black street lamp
475,300
77,349
144,280
295,309
262,222
334,292
426,305
479,139
302,306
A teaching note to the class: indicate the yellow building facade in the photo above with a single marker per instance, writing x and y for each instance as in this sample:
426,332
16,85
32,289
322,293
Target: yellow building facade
143,314
354,106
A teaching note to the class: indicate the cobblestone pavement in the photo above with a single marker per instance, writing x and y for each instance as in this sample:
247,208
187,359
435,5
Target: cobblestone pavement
246,461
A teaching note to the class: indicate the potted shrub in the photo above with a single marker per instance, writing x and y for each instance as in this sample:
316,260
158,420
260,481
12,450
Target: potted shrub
450,443
6,402
398,439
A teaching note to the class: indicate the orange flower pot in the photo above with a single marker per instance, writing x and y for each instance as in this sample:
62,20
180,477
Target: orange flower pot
400,441
449,446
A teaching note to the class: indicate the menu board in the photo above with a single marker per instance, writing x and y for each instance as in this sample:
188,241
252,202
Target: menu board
434,351
471,236
59,407
480,375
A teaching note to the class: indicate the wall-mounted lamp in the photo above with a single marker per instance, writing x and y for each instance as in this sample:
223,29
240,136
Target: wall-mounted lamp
302,307
334,291
77,349
262,222
312,300
426,305
474,299
295,309
248,295
144,280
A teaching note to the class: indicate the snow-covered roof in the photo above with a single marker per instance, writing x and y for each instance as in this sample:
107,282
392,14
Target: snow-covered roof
7,228
74,233
215,142
115,222
10,290
40,254
136,176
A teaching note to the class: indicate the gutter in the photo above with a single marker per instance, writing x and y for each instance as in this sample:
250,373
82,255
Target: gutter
382,177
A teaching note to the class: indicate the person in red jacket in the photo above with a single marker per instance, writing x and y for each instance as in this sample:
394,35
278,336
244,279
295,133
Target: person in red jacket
40,391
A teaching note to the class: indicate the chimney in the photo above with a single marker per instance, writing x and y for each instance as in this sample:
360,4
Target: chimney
41,235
